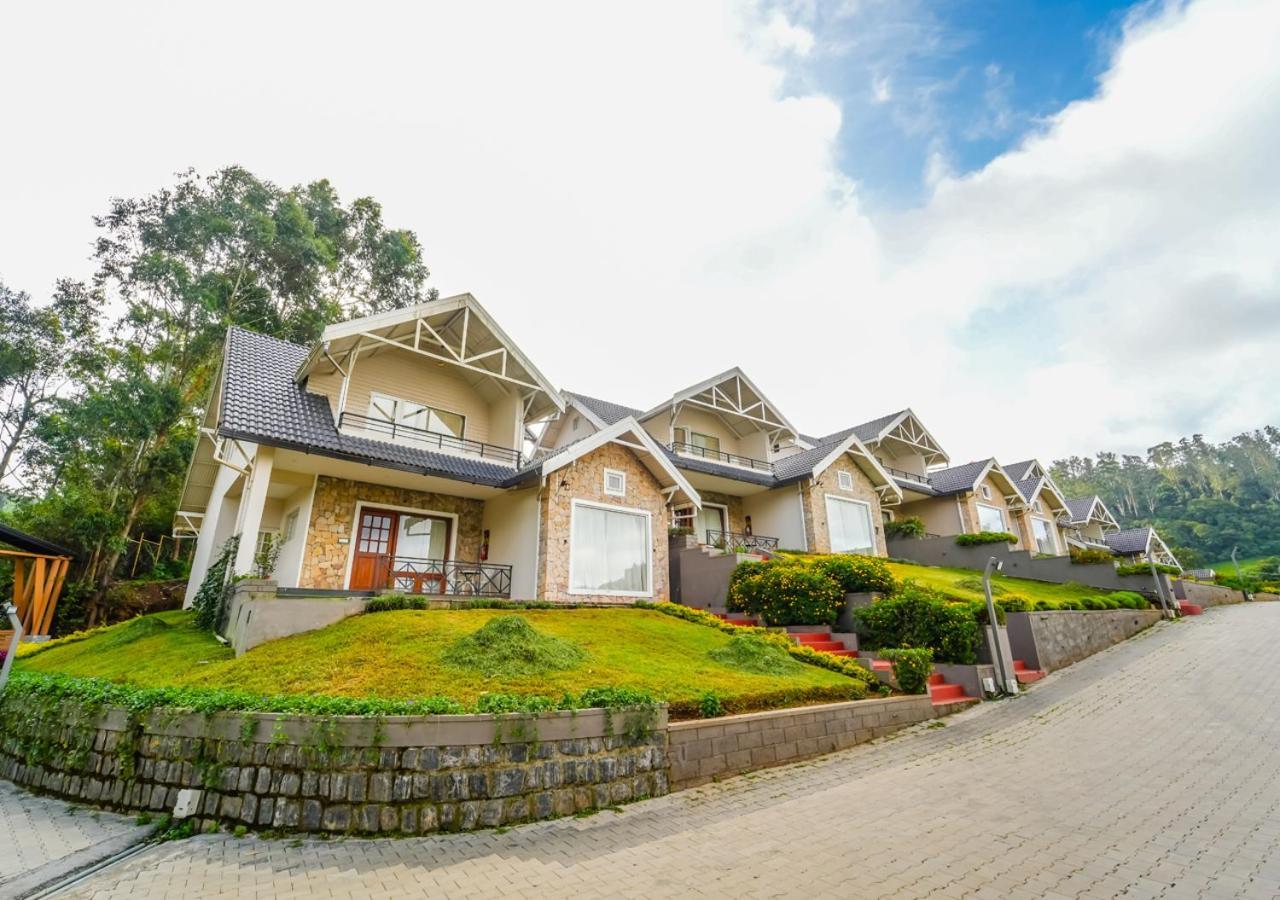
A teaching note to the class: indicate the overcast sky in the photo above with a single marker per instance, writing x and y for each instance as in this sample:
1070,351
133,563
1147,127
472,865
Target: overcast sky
1047,232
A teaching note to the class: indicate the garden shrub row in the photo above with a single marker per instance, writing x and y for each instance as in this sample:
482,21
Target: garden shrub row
919,617
1145,569
911,667
804,590
911,526
1087,556
985,537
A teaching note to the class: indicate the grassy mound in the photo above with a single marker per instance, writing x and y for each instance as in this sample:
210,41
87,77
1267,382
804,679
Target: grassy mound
508,646
748,653
135,630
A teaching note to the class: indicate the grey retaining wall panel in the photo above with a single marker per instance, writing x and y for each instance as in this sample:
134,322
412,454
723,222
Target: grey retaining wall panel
1055,639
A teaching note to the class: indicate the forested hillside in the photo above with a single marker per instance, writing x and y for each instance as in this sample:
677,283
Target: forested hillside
1203,498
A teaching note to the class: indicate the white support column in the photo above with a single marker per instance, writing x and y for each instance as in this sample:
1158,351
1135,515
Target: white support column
205,549
251,504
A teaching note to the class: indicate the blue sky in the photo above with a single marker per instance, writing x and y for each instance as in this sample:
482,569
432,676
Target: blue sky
962,80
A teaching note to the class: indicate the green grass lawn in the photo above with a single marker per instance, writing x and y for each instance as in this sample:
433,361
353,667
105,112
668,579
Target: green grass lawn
966,584
1250,568
398,655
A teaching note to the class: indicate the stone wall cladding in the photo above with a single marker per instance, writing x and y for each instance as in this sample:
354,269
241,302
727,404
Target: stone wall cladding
324,562
584,480
703,750
815,504
435,773
1205,594
1062,637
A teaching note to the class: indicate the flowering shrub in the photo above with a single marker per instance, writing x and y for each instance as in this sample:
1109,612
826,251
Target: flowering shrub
787,594
911,526
1090,555
916,616
911,667
856,574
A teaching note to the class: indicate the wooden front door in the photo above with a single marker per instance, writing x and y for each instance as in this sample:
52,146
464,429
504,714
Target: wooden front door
375,547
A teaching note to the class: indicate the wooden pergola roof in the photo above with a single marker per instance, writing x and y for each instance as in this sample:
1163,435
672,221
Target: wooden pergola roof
39,570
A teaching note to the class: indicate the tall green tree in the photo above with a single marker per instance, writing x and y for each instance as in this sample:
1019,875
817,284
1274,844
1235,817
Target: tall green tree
40,348
181,265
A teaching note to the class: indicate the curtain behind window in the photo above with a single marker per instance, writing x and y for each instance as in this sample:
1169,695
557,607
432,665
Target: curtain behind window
610,550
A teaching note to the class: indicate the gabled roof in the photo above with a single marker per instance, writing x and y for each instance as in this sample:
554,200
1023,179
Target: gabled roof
903,425
1142,540
724,394
964,478
1020,471
600,412
455,331
1085,509
628,432
812,463
262,402
1030,488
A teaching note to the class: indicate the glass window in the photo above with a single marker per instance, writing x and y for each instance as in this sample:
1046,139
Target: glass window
615,482
990,518
845,480
384,410
1044,536
421,537
290,525
706,442
609,551
849,524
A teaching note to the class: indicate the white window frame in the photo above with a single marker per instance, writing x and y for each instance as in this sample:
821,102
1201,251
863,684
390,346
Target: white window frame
426,407
985,491
844,480
1004,522
611,507
1037,507
1053,533
622,476
871,522
290,527
353,534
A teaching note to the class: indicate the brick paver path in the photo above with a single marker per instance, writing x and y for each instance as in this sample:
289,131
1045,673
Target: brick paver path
1150,770
42,838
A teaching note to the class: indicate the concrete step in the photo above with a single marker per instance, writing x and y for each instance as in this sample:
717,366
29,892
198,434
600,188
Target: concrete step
1025,674
1190,609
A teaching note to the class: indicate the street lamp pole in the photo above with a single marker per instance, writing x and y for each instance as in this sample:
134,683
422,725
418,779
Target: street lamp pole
1007,685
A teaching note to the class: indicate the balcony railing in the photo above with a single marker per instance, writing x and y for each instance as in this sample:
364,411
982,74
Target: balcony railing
732,540
729,459
908,476
431,440
448,577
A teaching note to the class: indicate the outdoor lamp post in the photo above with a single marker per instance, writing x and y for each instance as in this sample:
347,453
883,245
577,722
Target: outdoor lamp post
1008,684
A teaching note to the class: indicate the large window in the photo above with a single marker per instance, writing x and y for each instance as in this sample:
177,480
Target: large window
383,408
610,551
990,518
849,523
1044,536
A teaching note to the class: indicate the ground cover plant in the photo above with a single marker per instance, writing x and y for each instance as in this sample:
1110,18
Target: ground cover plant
398,657
911,667
985,537
966,584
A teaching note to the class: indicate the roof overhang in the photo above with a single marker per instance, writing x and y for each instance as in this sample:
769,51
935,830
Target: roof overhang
457,332
907,429
735,399
630,434
1012,496
881,481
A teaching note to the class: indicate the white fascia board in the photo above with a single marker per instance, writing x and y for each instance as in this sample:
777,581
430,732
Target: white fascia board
614,432
911,414
851,444
994,468
586,413
735,372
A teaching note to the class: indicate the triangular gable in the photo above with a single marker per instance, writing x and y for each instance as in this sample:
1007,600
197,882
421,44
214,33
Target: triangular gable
456,331
907,428
1012,496
731,395
881,480
630,434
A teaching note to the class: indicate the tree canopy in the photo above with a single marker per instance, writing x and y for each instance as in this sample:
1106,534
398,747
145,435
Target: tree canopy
1203,498
103,385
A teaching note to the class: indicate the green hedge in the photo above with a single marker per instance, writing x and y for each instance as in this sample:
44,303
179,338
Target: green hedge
911,526
911,667
985,537
1145,569
807,590
918,617
1090,556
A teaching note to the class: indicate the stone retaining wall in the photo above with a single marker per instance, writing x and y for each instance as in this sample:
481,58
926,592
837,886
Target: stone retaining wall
705,749
1054,639
400,774
1205,594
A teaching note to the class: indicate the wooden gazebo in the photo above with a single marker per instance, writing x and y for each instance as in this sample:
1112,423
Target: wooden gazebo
39,569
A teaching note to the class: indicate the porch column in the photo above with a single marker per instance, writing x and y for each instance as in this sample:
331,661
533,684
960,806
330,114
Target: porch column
251,504
222,483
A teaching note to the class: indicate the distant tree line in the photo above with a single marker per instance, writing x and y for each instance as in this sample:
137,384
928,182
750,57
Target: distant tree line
100,387
1203,498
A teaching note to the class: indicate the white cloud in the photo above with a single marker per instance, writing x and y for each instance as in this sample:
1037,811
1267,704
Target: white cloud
882,89
644,198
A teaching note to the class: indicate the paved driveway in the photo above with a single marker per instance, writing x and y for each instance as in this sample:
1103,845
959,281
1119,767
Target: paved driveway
1151,770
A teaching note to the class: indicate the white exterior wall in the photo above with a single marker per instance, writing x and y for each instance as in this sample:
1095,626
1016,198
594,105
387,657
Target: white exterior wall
512,523
777,513
289,565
